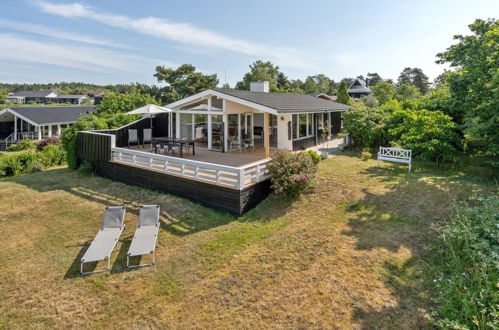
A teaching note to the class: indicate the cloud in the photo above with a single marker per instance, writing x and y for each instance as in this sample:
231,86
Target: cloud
16,48
46,31
184,33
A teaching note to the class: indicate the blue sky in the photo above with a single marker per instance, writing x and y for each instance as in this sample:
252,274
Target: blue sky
117,41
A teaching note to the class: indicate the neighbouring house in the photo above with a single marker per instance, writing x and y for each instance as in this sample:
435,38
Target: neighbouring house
213,147
36,123
44,96
325,96
358,88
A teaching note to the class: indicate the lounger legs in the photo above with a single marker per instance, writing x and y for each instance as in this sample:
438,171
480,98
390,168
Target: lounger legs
96,271
139,265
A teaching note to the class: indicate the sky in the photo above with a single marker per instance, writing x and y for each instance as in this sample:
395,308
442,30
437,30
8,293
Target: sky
119,41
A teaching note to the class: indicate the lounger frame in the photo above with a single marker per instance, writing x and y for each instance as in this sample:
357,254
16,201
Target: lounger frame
153,252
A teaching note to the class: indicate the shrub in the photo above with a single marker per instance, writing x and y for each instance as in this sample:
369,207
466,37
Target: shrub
467,270
367,126
366,155
52,155
86,168
316,158
13,147
27,144
430,134
46,142
30,160
291,174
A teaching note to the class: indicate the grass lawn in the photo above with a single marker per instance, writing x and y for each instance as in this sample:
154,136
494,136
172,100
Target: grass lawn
348,254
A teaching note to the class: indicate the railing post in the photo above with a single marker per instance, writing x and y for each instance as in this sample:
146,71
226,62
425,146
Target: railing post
241,179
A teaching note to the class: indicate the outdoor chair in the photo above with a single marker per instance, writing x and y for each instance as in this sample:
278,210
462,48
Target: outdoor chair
132,137
147,136
172,147
146,235
235,143
104,242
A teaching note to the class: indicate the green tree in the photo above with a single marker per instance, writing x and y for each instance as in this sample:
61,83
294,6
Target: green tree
474,85
431,135
342,94
407,92
370,101
261,71
367,126
383,91
121,103
373,78
416,77
183,81
316,84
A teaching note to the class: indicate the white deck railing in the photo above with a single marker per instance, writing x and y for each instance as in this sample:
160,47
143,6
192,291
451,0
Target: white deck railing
234,177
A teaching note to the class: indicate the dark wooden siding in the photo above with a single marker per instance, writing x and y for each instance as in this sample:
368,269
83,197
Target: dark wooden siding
335,122
93,147
160,128
217,197
304,143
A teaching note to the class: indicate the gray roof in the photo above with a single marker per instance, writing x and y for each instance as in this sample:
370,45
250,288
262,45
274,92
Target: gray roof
359,86
287,103
49,115
42,93
71,96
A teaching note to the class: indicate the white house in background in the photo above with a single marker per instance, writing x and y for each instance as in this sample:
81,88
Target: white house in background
218,119
18,123
44,96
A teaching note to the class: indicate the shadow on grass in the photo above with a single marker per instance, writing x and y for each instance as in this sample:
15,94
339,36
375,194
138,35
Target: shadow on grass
403,220
179,217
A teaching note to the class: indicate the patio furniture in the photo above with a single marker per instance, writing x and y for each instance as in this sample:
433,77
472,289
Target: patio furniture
397,155
235,143
176,142
147,136
146,235
132,137
104,242
171,147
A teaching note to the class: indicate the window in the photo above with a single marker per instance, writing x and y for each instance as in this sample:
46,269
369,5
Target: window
303,126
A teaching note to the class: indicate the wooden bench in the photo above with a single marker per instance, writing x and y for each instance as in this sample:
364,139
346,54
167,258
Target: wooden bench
397,155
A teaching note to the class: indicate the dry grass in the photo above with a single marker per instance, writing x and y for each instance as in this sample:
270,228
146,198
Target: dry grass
348,254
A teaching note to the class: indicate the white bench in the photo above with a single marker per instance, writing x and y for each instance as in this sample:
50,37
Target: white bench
397,155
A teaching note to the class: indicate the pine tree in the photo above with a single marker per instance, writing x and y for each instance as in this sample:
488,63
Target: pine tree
342,94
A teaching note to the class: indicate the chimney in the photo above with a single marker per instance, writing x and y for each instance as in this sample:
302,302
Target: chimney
259,86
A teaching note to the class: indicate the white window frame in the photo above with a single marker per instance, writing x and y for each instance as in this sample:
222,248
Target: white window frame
297,132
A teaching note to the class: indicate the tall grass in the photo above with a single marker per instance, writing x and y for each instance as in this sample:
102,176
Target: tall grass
466,277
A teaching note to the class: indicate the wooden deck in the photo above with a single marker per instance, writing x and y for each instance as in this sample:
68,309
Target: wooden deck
235,158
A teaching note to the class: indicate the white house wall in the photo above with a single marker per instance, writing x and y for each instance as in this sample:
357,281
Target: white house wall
283,142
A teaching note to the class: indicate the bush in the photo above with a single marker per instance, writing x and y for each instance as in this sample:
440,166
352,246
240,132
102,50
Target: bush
86,168
291,174
22,145
30,160
43,143
366,155
467,270
316,158
367,126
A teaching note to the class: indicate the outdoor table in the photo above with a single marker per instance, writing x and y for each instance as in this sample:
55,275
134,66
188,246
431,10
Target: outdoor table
181,142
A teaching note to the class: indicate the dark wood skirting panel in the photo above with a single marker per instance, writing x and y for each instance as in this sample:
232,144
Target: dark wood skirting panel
214,196
304,143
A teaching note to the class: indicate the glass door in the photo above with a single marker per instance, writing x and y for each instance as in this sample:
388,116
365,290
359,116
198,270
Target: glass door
217,129
248,128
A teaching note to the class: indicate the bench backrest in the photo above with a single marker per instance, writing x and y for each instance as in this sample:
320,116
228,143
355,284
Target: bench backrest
393,152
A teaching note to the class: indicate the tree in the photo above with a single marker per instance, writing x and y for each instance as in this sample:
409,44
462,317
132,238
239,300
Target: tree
367,126
183,81
431,135
474,83
342,94
316,84
383,91
261,71
407,92
373,79
348,82
416,77
121,103
370,101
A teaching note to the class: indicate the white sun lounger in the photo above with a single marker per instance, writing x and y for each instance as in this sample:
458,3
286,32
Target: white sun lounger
146,235
104,242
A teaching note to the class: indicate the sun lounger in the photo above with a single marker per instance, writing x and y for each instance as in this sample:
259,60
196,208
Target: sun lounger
146,235
104,242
